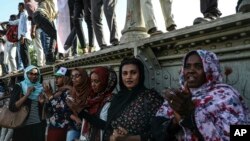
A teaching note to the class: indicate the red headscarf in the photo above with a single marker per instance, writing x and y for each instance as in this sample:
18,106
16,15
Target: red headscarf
108,83
96,101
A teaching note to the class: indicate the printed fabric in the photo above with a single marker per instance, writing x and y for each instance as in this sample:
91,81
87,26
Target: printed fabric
218,105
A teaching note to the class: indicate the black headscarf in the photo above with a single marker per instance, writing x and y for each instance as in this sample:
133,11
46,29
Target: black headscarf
126,96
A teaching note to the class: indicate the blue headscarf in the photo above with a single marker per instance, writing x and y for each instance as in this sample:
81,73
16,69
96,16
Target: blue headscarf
26,83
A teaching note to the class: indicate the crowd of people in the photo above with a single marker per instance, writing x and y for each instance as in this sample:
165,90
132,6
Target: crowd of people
35,25
88,107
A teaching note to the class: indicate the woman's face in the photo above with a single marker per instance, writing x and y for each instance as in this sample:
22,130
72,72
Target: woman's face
33,75
130,76
96,83
59,81
76,77
194,73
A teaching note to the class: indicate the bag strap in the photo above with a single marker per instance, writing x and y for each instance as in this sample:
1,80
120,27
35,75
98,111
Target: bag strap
21,94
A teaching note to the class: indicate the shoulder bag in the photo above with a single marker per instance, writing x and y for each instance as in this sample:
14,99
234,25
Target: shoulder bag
9,119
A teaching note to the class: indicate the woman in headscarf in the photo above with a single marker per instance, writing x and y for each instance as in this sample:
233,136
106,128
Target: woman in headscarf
28,93
77,100
204,108
103,82
133,108
58,110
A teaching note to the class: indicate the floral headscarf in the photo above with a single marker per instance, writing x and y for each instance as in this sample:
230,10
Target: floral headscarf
217,105
211,67
25,84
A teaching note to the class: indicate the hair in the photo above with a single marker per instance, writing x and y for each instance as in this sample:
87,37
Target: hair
135,62
21,4
13,17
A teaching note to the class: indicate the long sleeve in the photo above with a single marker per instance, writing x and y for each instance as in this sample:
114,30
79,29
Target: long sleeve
93,119
23,25
15,95
224,109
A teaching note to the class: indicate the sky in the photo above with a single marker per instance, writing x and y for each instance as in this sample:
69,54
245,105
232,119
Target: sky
184,11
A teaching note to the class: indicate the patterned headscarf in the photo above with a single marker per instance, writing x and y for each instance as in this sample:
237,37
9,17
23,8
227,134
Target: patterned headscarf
211,68
217,105
26,83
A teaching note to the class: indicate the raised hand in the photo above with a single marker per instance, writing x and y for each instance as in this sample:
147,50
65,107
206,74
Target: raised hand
30,90
180,100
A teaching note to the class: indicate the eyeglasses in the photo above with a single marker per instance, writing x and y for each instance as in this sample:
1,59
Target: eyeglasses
33,74
75,76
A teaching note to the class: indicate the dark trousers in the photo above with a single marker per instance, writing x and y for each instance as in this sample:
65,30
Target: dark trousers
4,66
108,7
24,53
34,132
45,39
72,42
80,7
209,7
49,28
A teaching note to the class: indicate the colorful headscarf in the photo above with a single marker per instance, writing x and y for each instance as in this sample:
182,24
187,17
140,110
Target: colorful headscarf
218,105
26,83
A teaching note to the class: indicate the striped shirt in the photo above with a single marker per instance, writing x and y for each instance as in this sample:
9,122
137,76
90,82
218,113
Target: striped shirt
33,117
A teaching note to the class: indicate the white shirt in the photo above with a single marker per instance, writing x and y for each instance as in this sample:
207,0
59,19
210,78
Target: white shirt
23,25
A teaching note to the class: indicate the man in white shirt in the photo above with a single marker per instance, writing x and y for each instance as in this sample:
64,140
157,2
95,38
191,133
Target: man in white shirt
23,34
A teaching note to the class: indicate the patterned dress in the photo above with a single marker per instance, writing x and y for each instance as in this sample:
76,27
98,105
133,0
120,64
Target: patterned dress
137,116
59,112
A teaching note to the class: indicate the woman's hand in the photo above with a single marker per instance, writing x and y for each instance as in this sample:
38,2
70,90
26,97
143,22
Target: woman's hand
78,121
180,100
72,105
41,98
119,134
30,90
47,90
